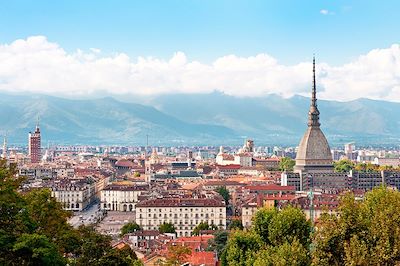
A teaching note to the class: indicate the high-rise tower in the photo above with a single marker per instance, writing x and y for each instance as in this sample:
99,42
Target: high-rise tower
34,147
314,154
4,154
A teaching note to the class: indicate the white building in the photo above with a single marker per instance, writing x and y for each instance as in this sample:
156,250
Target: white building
184,213
121,197
74,195
242,158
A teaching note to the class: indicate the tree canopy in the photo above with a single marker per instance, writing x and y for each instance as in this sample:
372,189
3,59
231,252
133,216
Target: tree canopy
129,228
343,166
34,230
286,164
276,238
177,255
203,226
365,233
224,192
167,228
235,224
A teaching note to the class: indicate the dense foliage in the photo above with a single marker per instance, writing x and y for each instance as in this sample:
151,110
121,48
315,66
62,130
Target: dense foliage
363,232
203,226
235,224
286,164
177,254
276,238
34,230
224,192
129,228
366,232
167,228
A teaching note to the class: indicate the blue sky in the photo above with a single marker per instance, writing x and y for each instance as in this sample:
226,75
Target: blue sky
204,30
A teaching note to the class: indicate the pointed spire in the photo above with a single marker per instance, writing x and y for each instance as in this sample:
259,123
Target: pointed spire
313,114
314,87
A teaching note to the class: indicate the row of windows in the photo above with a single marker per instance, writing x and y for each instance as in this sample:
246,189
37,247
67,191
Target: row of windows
181,224
180,215
185,209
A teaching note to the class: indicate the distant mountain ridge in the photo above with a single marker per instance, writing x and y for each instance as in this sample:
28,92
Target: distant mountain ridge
195,119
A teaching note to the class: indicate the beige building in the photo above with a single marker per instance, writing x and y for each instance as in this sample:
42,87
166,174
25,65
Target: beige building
184,213
74,195
121,197
248,211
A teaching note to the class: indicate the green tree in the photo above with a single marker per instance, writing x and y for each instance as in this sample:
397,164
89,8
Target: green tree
261,222
129,228
34,229
235,224
224,192
287,225
14,219
343,166
203,226
136,174
364,233
287,254
47,214
35,249
366,167
218,243
94,246
177,255
121,257
242,247
167,228
286,164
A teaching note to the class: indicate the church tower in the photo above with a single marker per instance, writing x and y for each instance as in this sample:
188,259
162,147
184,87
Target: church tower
314,154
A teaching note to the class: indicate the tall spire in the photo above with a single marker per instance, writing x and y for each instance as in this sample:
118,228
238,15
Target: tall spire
313,113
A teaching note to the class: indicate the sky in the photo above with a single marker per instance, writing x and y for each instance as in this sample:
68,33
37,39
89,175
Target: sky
243,48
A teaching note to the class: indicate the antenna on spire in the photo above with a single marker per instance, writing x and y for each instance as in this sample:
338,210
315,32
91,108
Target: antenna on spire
314,86
313,114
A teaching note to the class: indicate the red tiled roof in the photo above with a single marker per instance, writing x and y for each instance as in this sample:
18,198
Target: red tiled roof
124,163
222,183
272,187
206,258
229,166
126,187
181,202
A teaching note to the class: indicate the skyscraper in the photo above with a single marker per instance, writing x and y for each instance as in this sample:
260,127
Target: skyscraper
34,147
314,154
4,154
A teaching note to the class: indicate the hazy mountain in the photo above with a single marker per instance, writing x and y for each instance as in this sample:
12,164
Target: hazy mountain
213,118
98,121
273,119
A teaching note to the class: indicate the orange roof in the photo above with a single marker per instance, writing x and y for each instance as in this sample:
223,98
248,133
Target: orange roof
273,187
206,258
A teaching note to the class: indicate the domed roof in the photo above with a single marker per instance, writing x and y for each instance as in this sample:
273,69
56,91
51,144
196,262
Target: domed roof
314,151
314,147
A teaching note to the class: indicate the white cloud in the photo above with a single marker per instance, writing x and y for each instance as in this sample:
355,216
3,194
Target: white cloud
326,12
37,65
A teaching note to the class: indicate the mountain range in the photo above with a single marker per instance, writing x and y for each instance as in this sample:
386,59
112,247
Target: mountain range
195,119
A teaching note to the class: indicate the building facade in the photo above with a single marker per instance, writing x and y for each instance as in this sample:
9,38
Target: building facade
121,197
184,213
74,195
34,145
